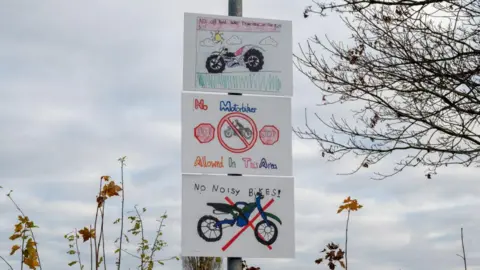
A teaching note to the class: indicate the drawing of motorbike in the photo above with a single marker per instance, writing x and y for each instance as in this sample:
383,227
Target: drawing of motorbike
249,56
210,228
245,132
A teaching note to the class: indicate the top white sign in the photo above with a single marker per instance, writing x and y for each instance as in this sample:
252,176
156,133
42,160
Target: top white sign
237,55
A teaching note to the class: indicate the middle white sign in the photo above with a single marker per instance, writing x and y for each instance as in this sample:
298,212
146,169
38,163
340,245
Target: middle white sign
229,134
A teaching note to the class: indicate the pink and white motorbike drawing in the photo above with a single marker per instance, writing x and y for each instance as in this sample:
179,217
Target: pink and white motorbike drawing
249,56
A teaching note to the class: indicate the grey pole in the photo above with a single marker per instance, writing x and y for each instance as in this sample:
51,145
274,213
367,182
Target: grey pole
234,263
234,9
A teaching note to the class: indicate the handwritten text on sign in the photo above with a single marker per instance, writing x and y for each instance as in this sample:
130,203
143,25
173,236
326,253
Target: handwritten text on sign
226,201
228,54
236,134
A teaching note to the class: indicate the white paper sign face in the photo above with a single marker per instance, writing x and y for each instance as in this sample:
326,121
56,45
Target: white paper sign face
224,216
237,54
228,134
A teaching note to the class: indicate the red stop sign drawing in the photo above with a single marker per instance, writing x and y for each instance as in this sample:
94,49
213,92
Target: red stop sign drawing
204,132
269,135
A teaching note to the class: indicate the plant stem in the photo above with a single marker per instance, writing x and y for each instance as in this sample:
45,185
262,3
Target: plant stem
158,235
122,161
78,250
463,248
95,224
11,268
91,251
23,246
142,257
346,241
30,229
103,238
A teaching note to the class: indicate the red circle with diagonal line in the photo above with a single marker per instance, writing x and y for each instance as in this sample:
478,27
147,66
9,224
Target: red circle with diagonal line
227,119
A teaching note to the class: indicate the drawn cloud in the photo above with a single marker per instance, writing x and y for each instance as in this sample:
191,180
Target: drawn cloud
234,40
207,43
268,41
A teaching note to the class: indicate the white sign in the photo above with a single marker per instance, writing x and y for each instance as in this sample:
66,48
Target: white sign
237,54
227,216
229,134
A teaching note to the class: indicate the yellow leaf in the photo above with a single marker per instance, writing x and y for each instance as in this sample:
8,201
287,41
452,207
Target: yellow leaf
23,219
15,236
29,224
350,205
31,261
342,264
87,234
18,227
30,245
111,189
341,208
30,255
14,249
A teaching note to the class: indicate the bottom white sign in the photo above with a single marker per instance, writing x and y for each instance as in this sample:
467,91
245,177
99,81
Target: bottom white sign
238,216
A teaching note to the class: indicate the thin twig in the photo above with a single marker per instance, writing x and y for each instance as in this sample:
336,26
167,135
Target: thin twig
142,257
464,257
158,235
22,254
122,161
103,237
95,225
131,254
11,268
91,250
346,241
78,250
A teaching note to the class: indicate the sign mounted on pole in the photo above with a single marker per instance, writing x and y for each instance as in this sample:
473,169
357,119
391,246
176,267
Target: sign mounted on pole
237,55
226,216
229,134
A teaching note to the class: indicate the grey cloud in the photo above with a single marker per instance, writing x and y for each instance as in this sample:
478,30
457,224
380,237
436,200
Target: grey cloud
83,84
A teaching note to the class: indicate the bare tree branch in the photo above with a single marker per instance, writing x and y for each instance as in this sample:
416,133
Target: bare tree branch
413,70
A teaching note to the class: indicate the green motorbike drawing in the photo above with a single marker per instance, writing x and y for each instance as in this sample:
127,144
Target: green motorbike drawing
210,228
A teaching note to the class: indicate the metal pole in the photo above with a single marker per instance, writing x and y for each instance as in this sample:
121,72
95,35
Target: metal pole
234,9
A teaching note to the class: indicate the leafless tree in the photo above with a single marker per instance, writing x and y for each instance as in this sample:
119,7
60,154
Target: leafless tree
412,69
202,263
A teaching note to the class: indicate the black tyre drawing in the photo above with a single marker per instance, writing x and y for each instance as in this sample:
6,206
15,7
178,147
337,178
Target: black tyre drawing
228,132
207,230
214,66
265,234
253,60
247,133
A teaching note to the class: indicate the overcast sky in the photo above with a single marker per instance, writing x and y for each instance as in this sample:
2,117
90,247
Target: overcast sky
85,82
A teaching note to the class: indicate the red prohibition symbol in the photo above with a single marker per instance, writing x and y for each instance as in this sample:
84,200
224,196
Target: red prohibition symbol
229,120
